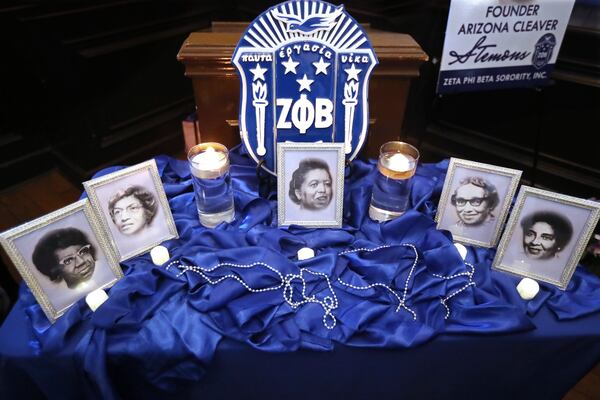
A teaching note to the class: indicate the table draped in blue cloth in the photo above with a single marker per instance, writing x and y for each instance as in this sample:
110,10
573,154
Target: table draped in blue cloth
395,285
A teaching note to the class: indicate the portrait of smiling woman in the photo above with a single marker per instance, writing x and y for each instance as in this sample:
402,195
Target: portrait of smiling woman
311,186
475,200
65,255
545,234
310,182
62,257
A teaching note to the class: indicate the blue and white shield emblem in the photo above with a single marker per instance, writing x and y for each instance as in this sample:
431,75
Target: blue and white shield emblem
304,69
543,51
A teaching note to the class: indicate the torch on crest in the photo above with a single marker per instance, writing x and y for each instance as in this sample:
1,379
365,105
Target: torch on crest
304,70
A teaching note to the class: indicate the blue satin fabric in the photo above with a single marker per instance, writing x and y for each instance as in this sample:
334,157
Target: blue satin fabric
166,324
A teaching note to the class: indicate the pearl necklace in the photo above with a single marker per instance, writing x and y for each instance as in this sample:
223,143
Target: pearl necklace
401,301
330,302
470,282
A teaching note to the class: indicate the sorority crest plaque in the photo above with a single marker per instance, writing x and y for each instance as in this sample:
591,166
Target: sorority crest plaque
304,69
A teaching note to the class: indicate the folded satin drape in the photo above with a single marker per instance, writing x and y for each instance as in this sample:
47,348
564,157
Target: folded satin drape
363,288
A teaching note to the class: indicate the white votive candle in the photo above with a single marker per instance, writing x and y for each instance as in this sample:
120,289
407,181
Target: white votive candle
160,255
528,288
305,253
96,298
462,250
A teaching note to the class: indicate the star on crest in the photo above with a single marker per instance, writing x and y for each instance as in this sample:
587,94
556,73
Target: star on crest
321,66
352,73
290,65
258,72
304,83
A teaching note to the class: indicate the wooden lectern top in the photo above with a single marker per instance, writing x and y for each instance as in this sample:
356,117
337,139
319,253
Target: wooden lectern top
209,53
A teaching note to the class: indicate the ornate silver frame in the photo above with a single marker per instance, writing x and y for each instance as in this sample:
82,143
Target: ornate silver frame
149,166
515,176
283,148
578,250
8,237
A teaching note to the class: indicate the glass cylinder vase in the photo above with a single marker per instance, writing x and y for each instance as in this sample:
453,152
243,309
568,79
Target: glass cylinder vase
209,166
396,166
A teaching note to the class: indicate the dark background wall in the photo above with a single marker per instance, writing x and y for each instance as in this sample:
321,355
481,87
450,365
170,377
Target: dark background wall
87,84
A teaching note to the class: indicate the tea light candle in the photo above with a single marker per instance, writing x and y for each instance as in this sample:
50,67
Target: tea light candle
462,250
95,299
528,288
305,253
159,255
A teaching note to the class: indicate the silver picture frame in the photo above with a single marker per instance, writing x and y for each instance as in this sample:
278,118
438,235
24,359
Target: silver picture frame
144,176
480,224
298,206
21,244
537,242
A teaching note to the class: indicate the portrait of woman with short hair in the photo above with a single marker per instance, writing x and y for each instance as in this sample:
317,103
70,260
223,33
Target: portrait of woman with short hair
475,200
311,186
310,183
546,235
62,257
133,207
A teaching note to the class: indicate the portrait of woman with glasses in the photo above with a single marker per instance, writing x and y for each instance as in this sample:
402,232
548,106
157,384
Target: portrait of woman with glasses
65,255
133,207
475,200
62,256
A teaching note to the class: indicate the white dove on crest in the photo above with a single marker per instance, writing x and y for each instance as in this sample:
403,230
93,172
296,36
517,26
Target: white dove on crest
312,23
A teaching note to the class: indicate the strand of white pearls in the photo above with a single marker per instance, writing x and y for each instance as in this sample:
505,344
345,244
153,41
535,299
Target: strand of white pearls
401,300
329,303
470,282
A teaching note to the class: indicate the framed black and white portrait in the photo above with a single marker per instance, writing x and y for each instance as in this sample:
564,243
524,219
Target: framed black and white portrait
62,257
310,184
475,201
546,235
133,208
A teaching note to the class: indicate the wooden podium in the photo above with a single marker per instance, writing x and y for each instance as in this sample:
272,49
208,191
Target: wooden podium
207,60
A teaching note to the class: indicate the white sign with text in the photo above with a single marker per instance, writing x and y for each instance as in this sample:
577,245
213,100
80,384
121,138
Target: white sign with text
494,44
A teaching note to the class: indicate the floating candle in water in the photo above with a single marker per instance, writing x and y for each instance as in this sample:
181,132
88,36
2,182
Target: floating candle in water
210,159
400,162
